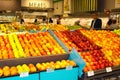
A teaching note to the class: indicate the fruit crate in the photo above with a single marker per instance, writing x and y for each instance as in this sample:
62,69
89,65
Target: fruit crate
60,74
34,76
67,73
103,74
34,60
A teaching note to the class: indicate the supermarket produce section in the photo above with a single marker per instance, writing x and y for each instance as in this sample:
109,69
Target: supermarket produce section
58,52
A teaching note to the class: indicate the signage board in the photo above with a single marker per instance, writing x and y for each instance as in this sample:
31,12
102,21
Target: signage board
37,3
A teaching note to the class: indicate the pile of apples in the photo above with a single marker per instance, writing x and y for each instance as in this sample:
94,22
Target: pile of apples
5,28
16,46
15,27
15,70
109,41
95,60
57,27
55,65
117,31
76,39
31,68
26,45
39,44
6,51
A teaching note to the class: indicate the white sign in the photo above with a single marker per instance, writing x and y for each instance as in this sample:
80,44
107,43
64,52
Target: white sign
24,74
91,73
108,69
69,67
49,70
37,3
117,3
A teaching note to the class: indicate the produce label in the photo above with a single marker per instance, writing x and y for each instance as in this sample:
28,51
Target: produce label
24,74
49,70
90,73
69,67
108,69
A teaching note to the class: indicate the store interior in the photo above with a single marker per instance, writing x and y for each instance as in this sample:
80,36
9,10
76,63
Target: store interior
59,39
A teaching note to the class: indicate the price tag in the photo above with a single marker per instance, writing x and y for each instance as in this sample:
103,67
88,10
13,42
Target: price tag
108,69
49,70
69,67
24,74
90,73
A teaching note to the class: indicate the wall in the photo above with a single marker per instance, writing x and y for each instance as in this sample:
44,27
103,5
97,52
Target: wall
109,4
100,4
10,4
105,4
58,8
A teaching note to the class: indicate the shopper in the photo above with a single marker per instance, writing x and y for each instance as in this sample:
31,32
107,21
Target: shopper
50,20
109,24
107,13
77,23
59,20
96,22
44,19
35,21
21,21
114,25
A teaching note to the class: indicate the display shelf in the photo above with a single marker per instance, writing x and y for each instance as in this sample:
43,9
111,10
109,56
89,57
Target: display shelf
61,74
102,74
58,74
34,60
17,77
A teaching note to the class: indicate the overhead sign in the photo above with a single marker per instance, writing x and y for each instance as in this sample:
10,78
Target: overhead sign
37,3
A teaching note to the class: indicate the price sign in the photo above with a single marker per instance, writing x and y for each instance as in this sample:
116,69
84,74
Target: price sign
24,74
69,67
90,73
49,70
108,69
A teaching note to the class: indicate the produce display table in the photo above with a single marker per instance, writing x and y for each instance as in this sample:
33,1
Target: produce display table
76,49
34,76
69,73
60,74
103,74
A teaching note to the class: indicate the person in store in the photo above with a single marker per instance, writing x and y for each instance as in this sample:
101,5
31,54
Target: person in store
114,25
77,23
96,22
35,21
44,19
59,20
21,21
50,20
109,24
